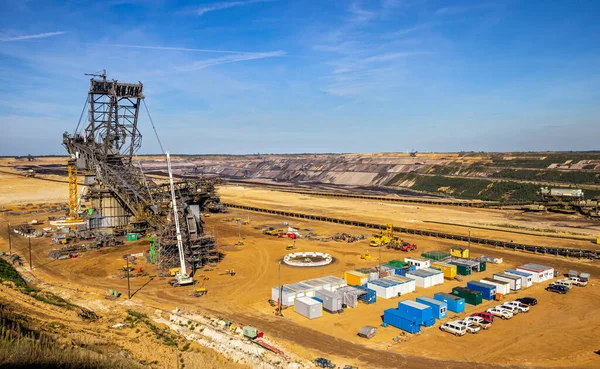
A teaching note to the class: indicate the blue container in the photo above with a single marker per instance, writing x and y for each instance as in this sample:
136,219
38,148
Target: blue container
439,308
370,297
419,313
317,299
393,318
455,303
488,291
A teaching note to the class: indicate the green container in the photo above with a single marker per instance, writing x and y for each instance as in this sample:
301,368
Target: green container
116,293
250,332
462,269
482,266
397,263
471,296
131,237
435,255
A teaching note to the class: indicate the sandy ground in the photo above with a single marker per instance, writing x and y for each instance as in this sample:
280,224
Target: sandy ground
425,217
538,338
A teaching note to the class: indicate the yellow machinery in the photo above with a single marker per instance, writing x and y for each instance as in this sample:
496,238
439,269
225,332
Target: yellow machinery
174,271
385,237
73,200
200,291
366,255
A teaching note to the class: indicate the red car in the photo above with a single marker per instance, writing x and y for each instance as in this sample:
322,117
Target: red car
486,316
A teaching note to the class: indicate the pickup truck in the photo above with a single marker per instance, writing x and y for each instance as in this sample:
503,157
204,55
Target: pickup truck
501,313
520,306
479,321
576,281
470,326
513,309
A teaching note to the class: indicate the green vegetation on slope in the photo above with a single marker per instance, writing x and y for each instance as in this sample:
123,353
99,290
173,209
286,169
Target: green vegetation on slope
550,176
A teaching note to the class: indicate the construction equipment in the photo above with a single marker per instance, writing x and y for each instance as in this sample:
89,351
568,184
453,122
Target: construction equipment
366,255
30,173
321,362
231,272
200,291
73,202
385,238
272,231
181,277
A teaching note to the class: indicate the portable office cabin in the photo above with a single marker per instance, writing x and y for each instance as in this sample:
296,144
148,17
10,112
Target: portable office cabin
471,297
332,302
455,303
488,291
388,270
288,295
459,252
420,313
502,287
372,273
449,270
418,262
461,269
405,285
515,282
335,282
308,307
393,318
438,308
316,284
540,273
526,277
426,277
354,278
385,289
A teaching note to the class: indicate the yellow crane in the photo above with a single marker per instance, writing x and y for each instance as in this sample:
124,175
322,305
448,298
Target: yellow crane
73,198
384,237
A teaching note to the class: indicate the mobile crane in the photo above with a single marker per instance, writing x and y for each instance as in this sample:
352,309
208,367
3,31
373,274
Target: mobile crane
181,277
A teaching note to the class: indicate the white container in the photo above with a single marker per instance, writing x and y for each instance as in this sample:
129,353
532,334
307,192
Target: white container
418,262
308,307
501,286
515,282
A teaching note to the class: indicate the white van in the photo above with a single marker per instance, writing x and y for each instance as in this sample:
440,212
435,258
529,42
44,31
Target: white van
454,328
563,282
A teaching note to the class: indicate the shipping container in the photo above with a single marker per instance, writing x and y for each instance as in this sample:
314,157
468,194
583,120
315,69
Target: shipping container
354,278
461,269
455,303
482,265
420,313
526,277
488,291
438,308
332,303
515,282
502,287
539,273
426,277
418,262
405,285
391,317
397,263
436,255
369,297
384,288
471,297
308,307
449,270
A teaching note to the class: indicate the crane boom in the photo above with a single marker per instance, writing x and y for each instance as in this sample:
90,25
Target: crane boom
176,216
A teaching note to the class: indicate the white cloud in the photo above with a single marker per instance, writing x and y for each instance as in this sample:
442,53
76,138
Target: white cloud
167,48
225,5
360,15
28,37
229,59
461,9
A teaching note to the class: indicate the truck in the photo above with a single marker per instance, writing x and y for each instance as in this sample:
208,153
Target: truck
405,246
577,281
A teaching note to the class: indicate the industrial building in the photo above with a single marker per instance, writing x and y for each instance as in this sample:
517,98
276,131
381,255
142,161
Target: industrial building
418,262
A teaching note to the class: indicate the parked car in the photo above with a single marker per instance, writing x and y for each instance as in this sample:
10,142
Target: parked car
521,307
576,281
501,313
529,301
562,282
481,323
557,288
454,328
512,309
471,327
485,316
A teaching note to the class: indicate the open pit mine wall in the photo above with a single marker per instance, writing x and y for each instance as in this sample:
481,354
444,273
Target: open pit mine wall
343,169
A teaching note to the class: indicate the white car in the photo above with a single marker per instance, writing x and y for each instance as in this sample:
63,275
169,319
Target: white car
454,328
563,282
471,327
481,323
520,306
510,308
501,313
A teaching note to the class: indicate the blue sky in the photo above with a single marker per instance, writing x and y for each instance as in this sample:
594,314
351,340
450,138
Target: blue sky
276,76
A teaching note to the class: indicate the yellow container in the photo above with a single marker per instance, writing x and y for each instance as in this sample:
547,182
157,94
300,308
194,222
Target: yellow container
459,252
354,278
449,270
598,241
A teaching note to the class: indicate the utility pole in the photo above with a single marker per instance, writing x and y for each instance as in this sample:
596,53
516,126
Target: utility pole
30,261
469,247
380,261
128,285
280,288
9,241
